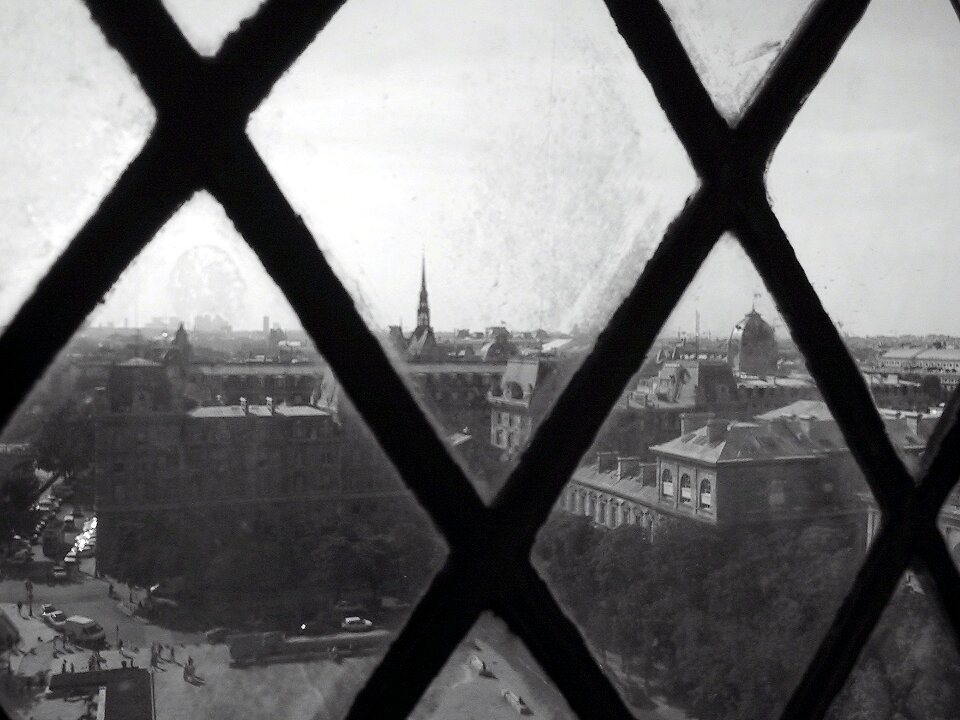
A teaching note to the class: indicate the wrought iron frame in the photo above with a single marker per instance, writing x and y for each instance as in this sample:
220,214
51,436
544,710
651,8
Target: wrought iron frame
199,142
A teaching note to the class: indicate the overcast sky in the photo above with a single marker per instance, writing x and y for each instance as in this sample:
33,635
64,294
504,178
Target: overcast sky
519,147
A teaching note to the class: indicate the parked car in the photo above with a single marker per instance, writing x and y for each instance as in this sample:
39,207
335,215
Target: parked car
356,624
86,550
47,608
480,666
517,702
68,522
57,619
83,630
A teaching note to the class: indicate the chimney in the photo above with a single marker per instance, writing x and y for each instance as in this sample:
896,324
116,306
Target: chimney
243,405
689,422
269,403
606,462
717,430
628,467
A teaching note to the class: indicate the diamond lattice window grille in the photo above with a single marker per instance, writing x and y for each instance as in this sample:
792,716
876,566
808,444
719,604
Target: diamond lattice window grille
199,142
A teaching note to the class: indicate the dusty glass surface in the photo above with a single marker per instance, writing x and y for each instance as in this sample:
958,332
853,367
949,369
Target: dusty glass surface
189,473
488,184
909,668
708,537
206,23
71,117
733,43
863,184
492,675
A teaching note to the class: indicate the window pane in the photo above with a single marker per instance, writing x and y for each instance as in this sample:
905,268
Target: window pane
72,117
708,537
488,184
492,675
224,486
909,667
864,186
206,23
733,43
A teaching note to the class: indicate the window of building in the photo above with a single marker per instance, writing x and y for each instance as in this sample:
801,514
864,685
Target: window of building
686,490
706,494
666,483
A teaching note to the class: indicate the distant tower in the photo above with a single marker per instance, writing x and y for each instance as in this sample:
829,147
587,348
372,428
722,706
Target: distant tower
423,308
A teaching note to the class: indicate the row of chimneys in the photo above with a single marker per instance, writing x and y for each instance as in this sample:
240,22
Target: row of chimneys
716,428
625,466
267,401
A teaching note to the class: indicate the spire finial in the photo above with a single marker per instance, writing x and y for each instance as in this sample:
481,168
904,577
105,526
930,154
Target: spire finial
423,307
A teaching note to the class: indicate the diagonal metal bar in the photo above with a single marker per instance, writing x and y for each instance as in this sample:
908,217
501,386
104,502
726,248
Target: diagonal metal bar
648,32
941,467
558,445
842,385
293,260
149,40
794,74
438,624
855,621
556,644
942,570
253,57
74,285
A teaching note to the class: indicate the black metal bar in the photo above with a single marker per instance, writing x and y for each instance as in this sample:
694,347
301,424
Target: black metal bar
253,57
78,280
438,624
837,377
143,32
292,258
796,72
558,444
649,34
854,623
556,643
941,569
941,460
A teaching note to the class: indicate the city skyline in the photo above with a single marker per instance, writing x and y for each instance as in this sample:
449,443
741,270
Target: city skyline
399,151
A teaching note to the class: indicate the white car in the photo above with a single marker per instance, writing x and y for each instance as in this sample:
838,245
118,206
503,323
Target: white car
517,702
56,619
356,624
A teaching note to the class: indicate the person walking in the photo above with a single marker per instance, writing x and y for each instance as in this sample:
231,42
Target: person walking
20,608
63,668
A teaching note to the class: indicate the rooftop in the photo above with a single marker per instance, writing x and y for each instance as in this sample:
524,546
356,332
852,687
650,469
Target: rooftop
235,411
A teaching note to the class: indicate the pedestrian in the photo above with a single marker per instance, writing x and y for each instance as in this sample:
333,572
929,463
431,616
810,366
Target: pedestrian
123,663
63,668
72,668
120,645
20,608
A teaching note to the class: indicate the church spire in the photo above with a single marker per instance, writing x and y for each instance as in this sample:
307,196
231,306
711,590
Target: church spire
423,308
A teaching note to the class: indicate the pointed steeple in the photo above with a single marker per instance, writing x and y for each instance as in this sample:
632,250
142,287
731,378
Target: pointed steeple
423,308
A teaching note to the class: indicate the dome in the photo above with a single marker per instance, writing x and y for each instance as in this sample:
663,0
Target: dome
753,346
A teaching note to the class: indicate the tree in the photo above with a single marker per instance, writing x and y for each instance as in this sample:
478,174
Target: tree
65,443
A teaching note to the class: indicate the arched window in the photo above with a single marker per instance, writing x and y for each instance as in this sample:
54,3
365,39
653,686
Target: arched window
666,483
706,494
686,490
